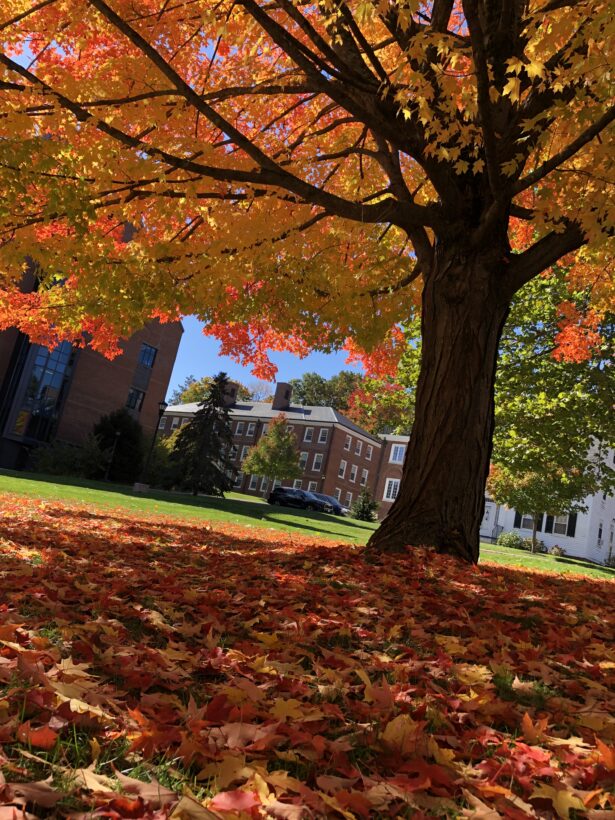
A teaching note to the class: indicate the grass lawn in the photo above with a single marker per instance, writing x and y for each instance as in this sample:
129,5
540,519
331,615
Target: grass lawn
249,511
154,668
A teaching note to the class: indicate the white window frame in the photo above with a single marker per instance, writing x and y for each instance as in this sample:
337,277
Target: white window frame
312,486
369,451
341,471
276,483
244,451
348,501
264,483
175,423
317,462
348,443
162,423
253,482
527,522
233,452
239,429
297,484
395,453
391,489
353,473
560,521
265,428
303,459
238,479
251,429
308,434
323,435
364,477
358,448
337,493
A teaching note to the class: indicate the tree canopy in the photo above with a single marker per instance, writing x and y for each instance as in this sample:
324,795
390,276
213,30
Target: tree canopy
276,454
307,152
298,174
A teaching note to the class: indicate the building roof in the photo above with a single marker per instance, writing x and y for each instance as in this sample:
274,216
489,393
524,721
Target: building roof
396,439
294,413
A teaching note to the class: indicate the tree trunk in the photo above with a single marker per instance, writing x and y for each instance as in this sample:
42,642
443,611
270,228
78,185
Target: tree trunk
441,498
534,531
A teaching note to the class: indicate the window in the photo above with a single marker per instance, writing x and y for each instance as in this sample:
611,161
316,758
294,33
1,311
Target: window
147,355
264,483
309,434
175,422
368,452
239,429
251,429
312,486
290,428
337,493
527,522
135,399
277,483
353,472
342,469
323,435
358,448
317,463
233,452
265,428
297,484
348,499
244,451
163,423
253,482
398,451
560,524
391,489
303,460
347,443
238,479
364,474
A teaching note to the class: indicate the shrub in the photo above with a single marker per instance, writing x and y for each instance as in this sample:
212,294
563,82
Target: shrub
510,539
557,550
127,447
527,545
364,508
59,458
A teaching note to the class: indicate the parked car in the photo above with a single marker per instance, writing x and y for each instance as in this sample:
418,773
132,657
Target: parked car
289,497
338,509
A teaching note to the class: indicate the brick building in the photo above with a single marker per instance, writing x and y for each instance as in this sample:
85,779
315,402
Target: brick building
338,457
60,394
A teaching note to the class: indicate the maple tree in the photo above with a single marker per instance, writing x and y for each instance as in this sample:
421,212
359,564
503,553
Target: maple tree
193,390
153,668
275,455
297,173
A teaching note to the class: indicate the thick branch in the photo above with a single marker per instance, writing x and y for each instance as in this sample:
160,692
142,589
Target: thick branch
566,153
544,253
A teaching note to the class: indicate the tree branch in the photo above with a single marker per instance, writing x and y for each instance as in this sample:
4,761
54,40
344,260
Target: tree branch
542,255
566,153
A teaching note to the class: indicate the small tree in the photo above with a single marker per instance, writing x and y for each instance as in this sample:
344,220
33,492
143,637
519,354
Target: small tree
364,507
276,454
202,450
196,390
121,436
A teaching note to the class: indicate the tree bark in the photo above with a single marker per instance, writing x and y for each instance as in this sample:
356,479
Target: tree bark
441,498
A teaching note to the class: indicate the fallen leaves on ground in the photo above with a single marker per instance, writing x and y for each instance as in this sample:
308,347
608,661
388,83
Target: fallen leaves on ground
155,669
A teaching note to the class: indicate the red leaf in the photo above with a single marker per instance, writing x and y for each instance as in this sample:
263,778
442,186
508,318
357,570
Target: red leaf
237,800
42,737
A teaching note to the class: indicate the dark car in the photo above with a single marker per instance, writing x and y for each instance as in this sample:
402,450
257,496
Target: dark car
289,497
335,504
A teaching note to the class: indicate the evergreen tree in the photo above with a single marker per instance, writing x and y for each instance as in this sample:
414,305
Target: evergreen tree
203,446
276,454
364,507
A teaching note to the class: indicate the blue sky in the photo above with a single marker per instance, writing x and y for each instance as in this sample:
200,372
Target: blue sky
198,356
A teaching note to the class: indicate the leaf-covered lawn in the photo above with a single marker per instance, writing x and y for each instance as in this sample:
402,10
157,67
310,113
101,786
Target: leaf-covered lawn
150,668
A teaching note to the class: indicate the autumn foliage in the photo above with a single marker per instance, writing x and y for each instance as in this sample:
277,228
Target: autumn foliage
266,676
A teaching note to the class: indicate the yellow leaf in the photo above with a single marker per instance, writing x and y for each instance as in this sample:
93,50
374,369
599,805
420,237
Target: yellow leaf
402,734
562,799
535,69
512,88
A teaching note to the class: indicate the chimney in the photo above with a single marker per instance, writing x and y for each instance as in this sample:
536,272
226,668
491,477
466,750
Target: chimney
281,399
230,395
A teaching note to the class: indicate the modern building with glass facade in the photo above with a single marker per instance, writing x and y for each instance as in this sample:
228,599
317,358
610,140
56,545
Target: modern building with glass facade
59,394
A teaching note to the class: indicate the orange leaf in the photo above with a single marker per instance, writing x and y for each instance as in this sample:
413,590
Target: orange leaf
42,738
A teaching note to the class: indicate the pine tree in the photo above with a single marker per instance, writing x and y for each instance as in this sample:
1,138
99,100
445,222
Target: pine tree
203,446
364,507
276,454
